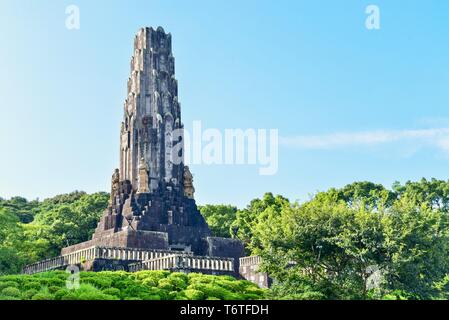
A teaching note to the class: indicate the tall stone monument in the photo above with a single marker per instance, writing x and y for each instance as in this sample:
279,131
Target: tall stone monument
152,202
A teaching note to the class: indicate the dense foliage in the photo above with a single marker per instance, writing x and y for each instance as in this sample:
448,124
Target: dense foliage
358,242
219,218
120,285
31,231
362,241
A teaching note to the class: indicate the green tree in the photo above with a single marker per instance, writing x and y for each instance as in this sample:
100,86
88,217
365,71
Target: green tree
325,246
417,240
360,194
331,247
65,223
23,209
434,192
10,261
242,227
57,222
219,218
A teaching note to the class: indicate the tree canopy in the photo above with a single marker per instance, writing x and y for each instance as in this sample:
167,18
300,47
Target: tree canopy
361,241
31,231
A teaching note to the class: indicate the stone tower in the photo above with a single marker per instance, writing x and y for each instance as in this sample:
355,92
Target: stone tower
151,113
152,204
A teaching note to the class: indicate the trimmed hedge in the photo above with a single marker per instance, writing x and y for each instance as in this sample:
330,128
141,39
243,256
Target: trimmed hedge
120,285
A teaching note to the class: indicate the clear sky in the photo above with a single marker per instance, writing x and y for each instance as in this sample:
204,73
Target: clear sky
350,103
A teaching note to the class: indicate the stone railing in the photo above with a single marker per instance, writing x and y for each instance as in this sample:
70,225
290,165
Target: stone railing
250,261
44,265
92,253
185,262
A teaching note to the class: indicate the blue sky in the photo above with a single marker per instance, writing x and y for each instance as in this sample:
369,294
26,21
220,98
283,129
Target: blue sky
350,104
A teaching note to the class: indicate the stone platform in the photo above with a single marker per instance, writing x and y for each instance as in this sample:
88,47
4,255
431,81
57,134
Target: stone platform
134,259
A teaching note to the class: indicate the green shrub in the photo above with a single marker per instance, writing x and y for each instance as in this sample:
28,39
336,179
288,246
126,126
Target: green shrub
123,284
56,282
149,297
144,274
200,278
95,296
42,296
100,282
7,284
250,296
228,278
11,292
232,296
52,282
172,295
180,276
112,292
178,280
157,291
150,278
61,293
3,298
27,295
32,285
70,296
210,290
308,295
150,282
255,291
193,294
18,279
137,290
230,285
53,289
166,285
85,292
181,296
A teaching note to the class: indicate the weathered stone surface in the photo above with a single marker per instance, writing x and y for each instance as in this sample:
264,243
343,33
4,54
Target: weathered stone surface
151,111
98,265
249,270
189,190
225,247
126,238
